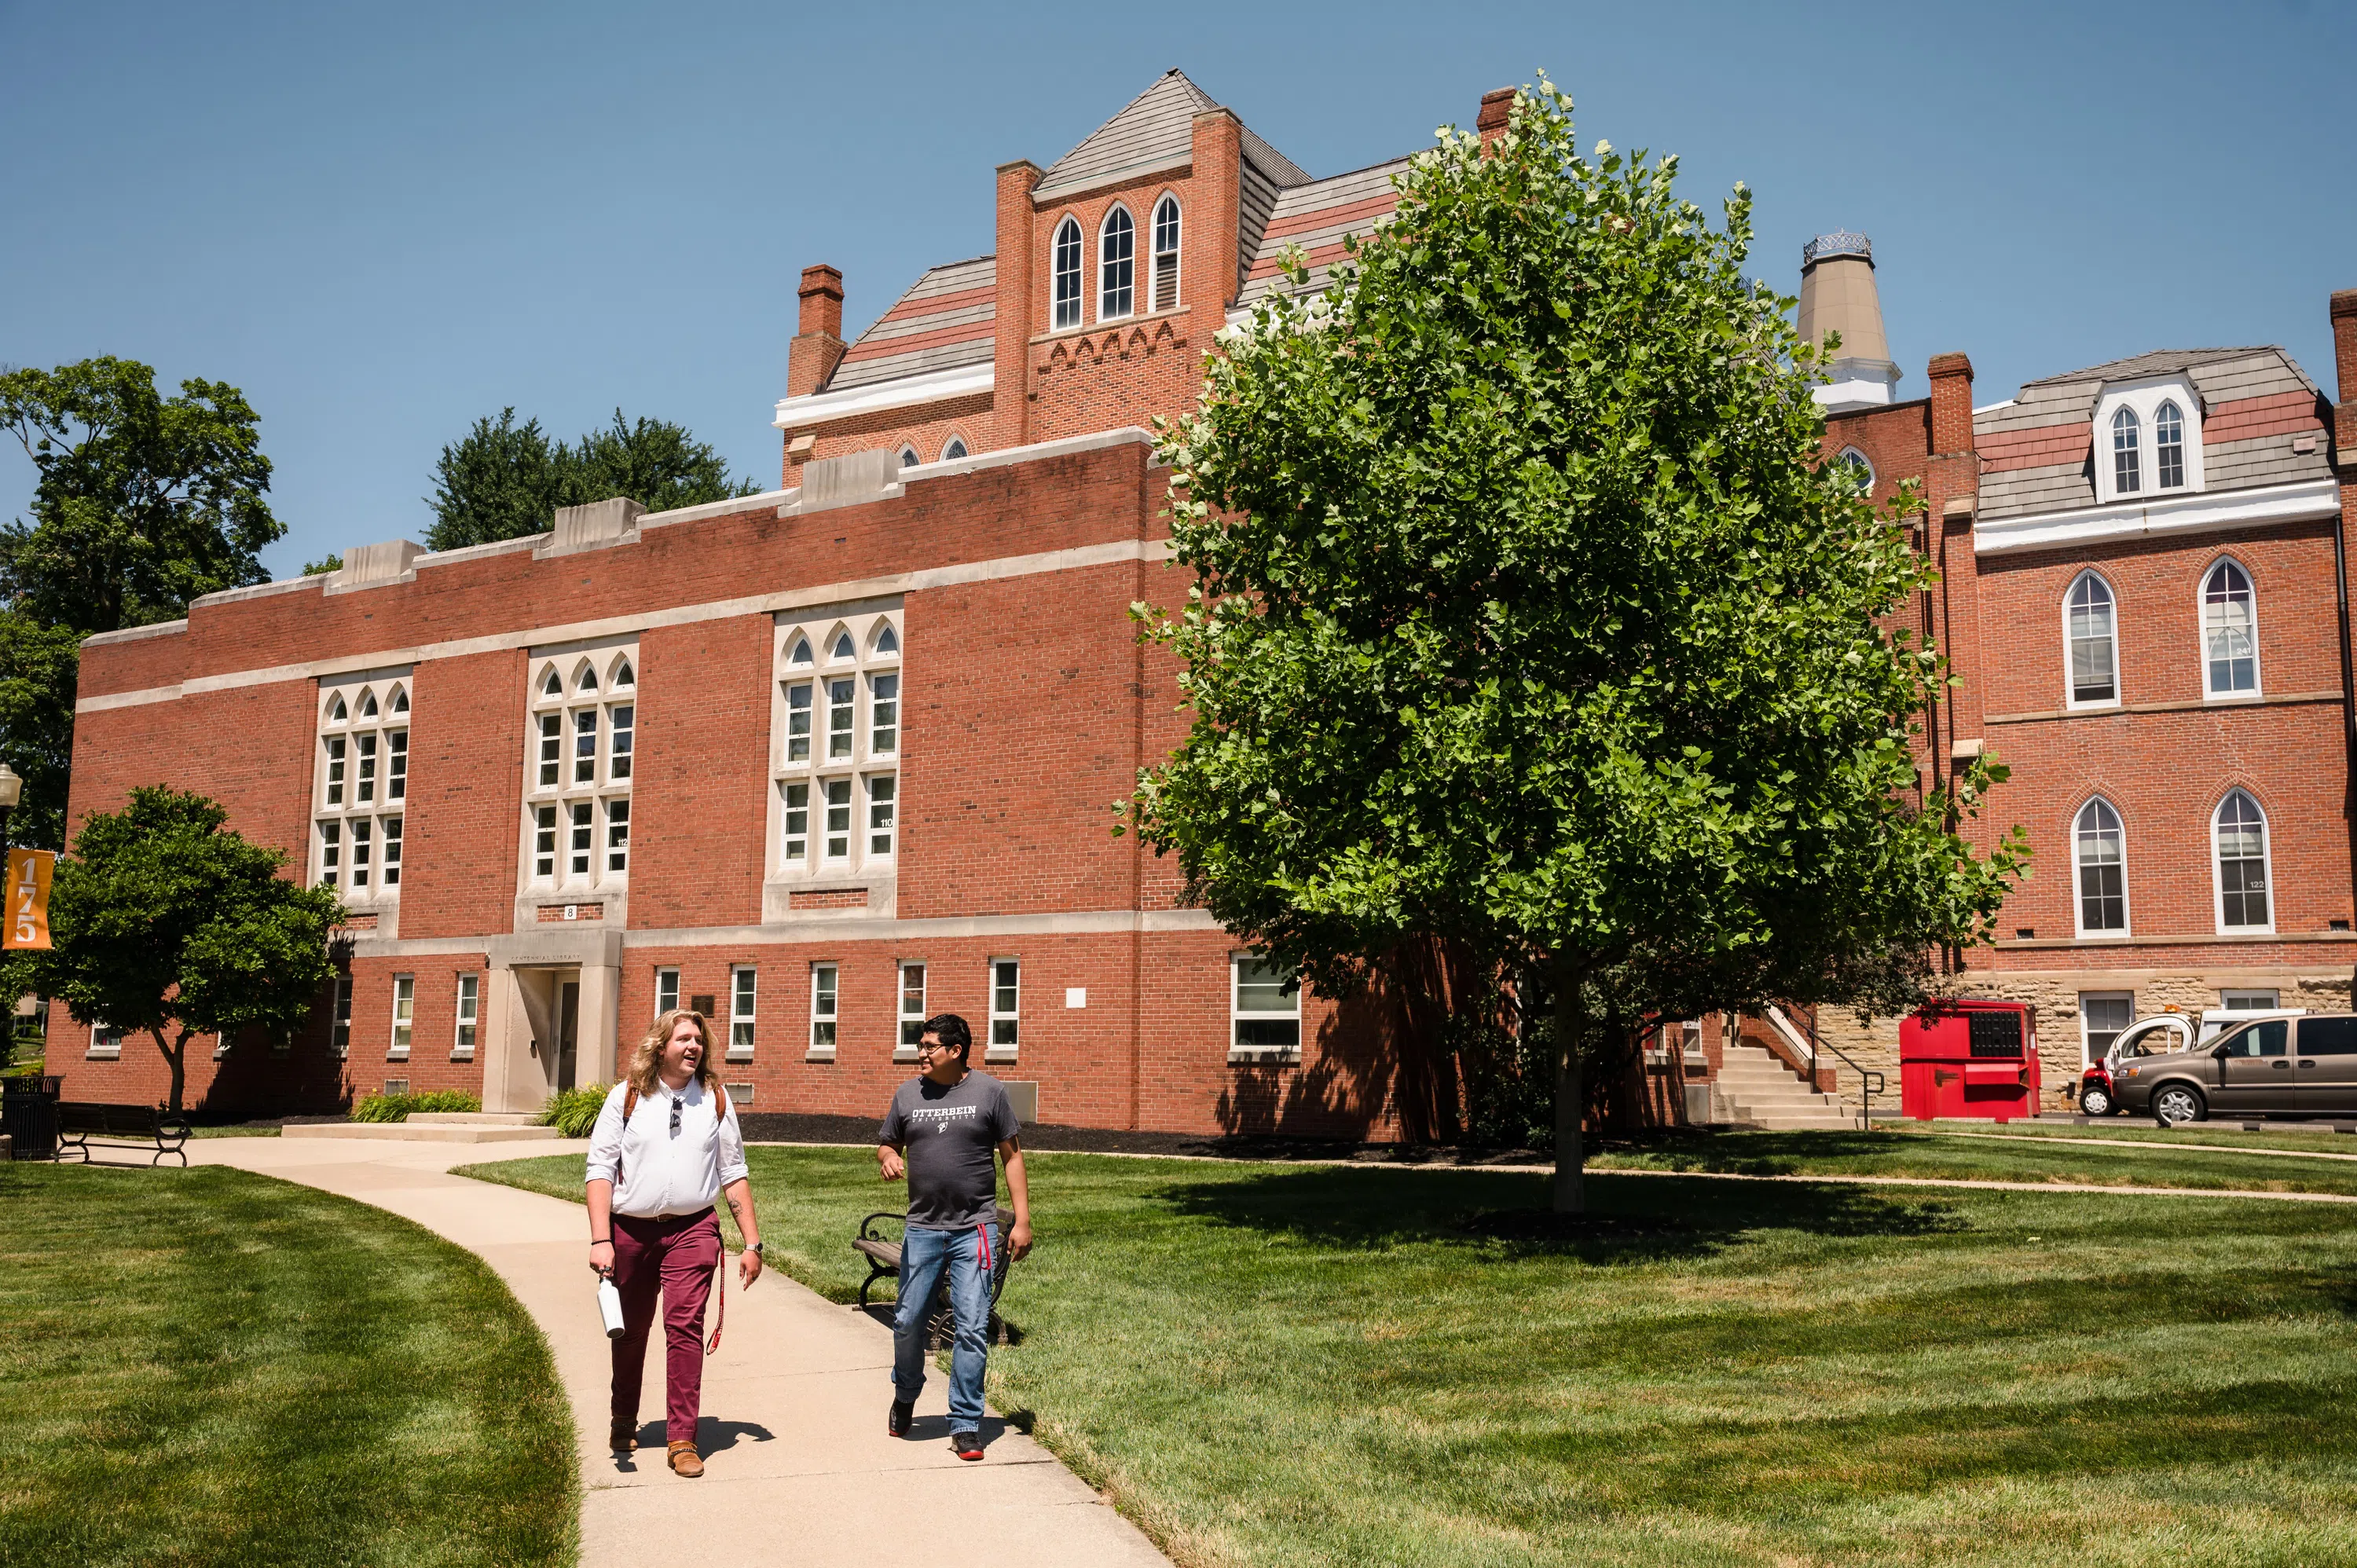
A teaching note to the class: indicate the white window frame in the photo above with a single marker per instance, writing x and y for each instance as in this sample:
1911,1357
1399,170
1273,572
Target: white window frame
905,1038
2202,624
1238,1014
467,1012
2071,699
1104,290
955,447
744,1010
825,1009
1860,461
1068,227
2218,870
2078,900
600,683
1176,252
2248,998
340,1018
877,650
2087,1056
2143,398
404,1018
105,1042
667,990
2168,406
993,1050
368,715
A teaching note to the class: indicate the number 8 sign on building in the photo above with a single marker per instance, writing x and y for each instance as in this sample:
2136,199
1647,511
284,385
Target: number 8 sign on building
28,899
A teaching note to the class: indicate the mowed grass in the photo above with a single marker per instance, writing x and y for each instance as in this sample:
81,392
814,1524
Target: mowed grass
211,1367
1303,1365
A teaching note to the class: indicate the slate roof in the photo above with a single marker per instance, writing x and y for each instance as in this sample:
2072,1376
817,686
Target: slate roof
1155,130
947,319
1316,217
2037,452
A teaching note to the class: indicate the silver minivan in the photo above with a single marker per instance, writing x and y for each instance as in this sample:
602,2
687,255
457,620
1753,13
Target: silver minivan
2301,1065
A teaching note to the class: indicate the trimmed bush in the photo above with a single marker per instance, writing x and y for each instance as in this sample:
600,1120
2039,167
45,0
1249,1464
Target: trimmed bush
401,1107
573,1112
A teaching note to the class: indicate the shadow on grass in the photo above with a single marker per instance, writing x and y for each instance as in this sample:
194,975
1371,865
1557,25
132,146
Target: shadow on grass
1503,1213
1753,1153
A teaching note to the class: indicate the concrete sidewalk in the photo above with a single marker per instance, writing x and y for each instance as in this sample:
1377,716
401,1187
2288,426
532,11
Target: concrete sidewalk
798,1469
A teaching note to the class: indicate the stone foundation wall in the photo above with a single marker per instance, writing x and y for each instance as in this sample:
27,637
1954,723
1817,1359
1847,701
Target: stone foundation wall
2055,996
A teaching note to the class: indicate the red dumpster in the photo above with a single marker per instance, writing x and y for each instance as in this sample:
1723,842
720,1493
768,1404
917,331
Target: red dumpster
1969,1059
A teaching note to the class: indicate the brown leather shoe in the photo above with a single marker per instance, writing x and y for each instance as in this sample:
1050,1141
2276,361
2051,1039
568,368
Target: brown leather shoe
685,1461
623,1439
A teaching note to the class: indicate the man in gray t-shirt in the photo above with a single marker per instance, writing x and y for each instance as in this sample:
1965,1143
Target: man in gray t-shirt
942,1133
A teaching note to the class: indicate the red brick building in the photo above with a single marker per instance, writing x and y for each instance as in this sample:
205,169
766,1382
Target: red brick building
841,755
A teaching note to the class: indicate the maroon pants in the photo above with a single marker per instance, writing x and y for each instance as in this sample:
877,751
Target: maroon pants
675,1257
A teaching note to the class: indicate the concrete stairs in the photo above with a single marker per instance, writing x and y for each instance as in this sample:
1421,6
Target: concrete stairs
1755,1089
436,1127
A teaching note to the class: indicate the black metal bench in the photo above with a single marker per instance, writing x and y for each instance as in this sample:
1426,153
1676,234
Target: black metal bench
80,1121
883,1255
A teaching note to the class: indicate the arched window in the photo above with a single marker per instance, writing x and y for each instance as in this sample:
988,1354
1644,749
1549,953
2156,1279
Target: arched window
368,705
2088,621
2126,477
955,450
887,642
908,458
400,701
551,687
1116,266
2168,448
802,653
587,680
2230,628
1068,275
2100,851
2240,829
335,711
1856,464
842,648
624,675
1165,254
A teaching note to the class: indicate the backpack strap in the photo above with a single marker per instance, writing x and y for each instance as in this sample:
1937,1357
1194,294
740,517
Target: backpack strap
629,1107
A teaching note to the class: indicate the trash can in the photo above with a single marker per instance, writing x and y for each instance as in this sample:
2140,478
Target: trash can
28,1115
1969,1059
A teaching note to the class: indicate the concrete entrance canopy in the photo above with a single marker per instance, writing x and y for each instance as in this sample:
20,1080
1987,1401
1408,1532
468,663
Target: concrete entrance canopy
544,986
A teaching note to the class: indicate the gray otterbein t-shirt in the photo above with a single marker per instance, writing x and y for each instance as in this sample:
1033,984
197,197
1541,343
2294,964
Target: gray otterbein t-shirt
951,1135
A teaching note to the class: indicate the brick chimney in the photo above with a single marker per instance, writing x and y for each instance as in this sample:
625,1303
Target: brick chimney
2344,354
1951,405
1021,311
818,346
1215,259
1497,107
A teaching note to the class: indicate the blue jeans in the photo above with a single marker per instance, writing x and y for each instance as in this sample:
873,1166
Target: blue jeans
923,1255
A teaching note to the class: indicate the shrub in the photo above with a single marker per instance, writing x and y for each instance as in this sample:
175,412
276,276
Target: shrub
573,1112
401,1107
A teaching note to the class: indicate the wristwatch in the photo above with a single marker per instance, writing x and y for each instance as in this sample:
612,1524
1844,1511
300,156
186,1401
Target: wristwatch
755,1249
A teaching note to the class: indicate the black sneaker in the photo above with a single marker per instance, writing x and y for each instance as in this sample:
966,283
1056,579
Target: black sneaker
967,1444
897,1424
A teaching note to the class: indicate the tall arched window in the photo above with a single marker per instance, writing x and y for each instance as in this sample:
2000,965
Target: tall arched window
2099,849
2126,477
2240,829
2230,632
1165,254
955,450
2088,626
1116,266
1068,275
2168,448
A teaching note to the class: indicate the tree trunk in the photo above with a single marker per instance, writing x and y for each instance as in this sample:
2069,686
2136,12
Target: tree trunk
178,1055
1570,1092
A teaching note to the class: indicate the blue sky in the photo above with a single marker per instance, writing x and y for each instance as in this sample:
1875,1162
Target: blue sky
384,221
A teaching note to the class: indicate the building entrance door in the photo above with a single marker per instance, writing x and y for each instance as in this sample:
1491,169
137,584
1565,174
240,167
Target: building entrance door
568,1032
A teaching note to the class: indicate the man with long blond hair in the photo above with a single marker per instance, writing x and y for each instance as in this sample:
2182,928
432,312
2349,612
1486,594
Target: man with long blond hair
665,1145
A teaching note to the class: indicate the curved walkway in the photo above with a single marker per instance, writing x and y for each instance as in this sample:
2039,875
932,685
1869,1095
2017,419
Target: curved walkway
798,1469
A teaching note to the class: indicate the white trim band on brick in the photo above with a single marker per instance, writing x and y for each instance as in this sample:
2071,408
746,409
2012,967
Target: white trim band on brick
995,570
853,929
2308,500
933,386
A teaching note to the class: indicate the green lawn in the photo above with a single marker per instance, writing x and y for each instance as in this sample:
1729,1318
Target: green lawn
1303,1365
211,1367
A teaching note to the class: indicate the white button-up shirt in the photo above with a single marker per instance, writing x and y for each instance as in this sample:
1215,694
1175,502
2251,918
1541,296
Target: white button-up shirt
663,1176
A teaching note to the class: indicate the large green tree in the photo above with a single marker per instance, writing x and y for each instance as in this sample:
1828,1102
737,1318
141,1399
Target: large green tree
504,480
166,921
1526,615
142,503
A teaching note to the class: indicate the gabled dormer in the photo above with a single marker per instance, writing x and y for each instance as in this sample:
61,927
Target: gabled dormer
2148,438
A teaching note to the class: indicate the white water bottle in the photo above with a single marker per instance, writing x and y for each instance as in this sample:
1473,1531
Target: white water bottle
609,1306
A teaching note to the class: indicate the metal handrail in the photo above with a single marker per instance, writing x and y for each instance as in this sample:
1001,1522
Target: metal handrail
1870,1081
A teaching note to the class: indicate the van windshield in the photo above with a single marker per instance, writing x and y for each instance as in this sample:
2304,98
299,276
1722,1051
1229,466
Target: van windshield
2153,1040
